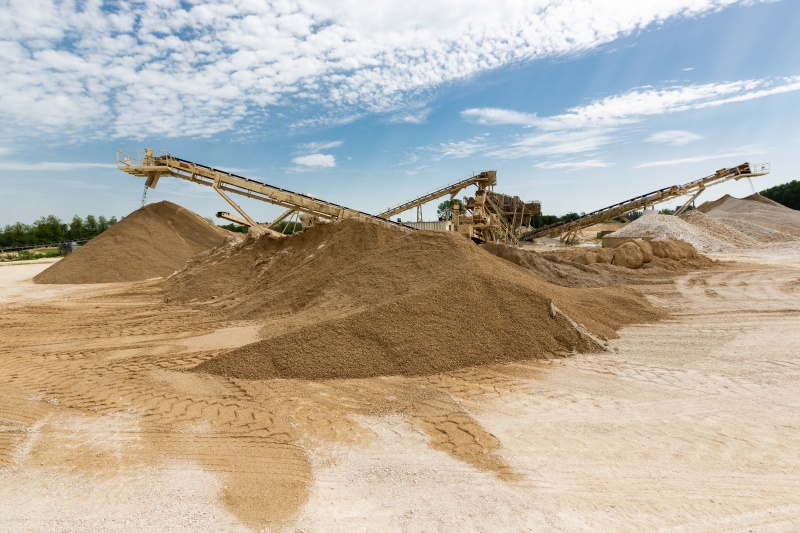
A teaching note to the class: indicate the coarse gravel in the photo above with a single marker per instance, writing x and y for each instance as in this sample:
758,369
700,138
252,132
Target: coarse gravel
719,229
656,226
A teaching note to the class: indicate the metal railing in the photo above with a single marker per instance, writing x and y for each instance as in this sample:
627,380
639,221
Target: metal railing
438,193
43,245
153,165
744,170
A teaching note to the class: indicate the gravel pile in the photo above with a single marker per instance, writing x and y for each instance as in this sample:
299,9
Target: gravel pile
761,234
353,299
718,229
151,242
671,227
756,209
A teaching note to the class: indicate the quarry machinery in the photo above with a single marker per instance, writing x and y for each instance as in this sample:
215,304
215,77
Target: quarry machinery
482,180
483,221
153,165
516,213
487,216
290,215
568,230
224,215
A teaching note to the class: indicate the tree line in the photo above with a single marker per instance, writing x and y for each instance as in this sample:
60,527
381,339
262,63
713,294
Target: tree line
53,229
284,226
787,194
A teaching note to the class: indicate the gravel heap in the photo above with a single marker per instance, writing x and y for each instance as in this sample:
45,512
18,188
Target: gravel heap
718,229
762,234
724,225
151,242
354,299
756,209
671,227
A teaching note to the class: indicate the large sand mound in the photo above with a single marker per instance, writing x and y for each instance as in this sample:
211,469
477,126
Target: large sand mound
657,226
724,225
755,210
719,229
355,299
598,267
151,242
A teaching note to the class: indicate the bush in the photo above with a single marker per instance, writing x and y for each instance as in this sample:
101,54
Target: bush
787,194
53,229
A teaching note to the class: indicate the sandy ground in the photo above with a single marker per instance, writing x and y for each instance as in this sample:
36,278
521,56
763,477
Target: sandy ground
692,424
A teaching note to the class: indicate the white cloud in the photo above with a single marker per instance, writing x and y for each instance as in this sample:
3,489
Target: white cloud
492,116
414,116
635,105
733,154
573,165
315,160
687,69
166,68
52,166
589,128
461,149
318,146
673,137
557,143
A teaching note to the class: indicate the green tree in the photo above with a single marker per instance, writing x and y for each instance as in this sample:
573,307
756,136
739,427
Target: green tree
52,229
288,227
49,229
76,228
445,210
19,234
92,228
787,194
234,227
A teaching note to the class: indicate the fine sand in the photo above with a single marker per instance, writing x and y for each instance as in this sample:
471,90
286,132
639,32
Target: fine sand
151,242
725,225
685,424
354,299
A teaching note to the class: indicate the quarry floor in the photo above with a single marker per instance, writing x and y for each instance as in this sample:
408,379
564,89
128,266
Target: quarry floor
690,424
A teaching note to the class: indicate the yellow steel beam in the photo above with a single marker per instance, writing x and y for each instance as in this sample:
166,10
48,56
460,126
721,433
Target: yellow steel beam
656,197
152,165
483,180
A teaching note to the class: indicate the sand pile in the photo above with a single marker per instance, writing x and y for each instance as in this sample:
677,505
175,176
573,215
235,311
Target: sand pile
151,242
755,209
718,229
355,299
633,254
759,233
581,267
672,227
724,225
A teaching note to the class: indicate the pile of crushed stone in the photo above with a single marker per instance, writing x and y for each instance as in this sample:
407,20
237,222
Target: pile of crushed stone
755,209
633,261
656,226
761,234
718,229
354,299
152,242
724,225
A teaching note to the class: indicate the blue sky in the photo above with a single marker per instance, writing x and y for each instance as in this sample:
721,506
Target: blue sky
578,104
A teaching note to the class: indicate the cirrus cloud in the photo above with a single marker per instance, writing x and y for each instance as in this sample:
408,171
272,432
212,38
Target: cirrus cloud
673,137
145,68
590,127
315,160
